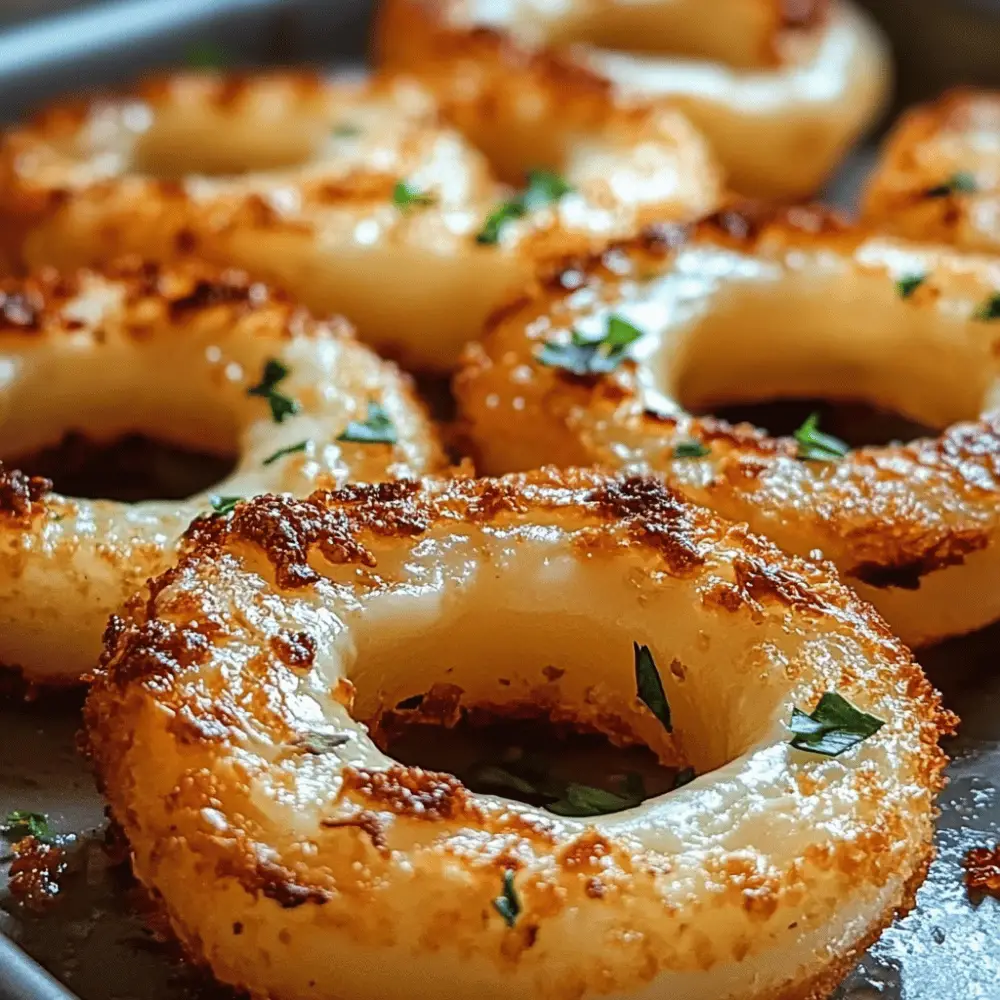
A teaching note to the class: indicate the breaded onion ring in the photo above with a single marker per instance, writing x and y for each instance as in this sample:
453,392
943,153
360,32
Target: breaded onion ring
299,861
780,90
747,307
939,175
355,198
212,363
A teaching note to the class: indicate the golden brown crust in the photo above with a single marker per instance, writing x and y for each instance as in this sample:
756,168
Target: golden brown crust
864,511
936,175
20,495
157,686
520,77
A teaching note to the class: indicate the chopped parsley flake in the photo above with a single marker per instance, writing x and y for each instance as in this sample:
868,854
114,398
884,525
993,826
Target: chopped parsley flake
346,130
815,446
544,188
989,310
587,355
377,428
406,196
283,452
529,779
833,727
322,743
282,406
20,824
908,284
205,55
222,506
683,777
649,686
507,904
691,449
961,182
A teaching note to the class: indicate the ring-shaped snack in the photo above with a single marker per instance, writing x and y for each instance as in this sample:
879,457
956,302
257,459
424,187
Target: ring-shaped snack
938,177
355,198
780,90
210,362
751,306
296,859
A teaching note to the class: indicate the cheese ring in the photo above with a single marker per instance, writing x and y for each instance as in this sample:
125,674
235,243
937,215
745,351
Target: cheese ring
748,307
938,177
211,362
227,726
353,197
780,90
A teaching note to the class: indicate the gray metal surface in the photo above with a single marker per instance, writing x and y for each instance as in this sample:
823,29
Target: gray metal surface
94,939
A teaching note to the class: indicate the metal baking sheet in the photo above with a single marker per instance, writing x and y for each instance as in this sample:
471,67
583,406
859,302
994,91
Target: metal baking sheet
94,941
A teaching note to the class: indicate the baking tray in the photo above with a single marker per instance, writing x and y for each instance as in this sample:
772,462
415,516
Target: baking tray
94,941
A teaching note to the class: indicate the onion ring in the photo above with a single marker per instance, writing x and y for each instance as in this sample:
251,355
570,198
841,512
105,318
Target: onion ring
297,860
172,354
781,95
758,306
938,177
340,193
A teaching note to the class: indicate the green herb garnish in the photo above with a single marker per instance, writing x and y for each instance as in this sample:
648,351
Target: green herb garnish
282,406
406,196
989,310
346,130
225,505
20,824
587,355
834,726
377,428
908,284
959,183
649,686
322,743
564,798
691,449
683,777
585,800
282,452
507,904
205,55
544,188
815,446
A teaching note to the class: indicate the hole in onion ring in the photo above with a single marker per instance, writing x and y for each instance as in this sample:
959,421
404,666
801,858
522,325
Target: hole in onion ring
531,760
129,469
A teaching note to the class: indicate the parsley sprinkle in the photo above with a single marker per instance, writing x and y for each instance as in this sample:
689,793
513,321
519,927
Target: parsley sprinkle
205,55
989,310
20,824
834,726
649,686
959,183
544,188
377,428
908,284
406,196
282,406
345,130
223,506
585,800
683,777
528,779
586,355
815,446
322,743
507,904
282,452
691,449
